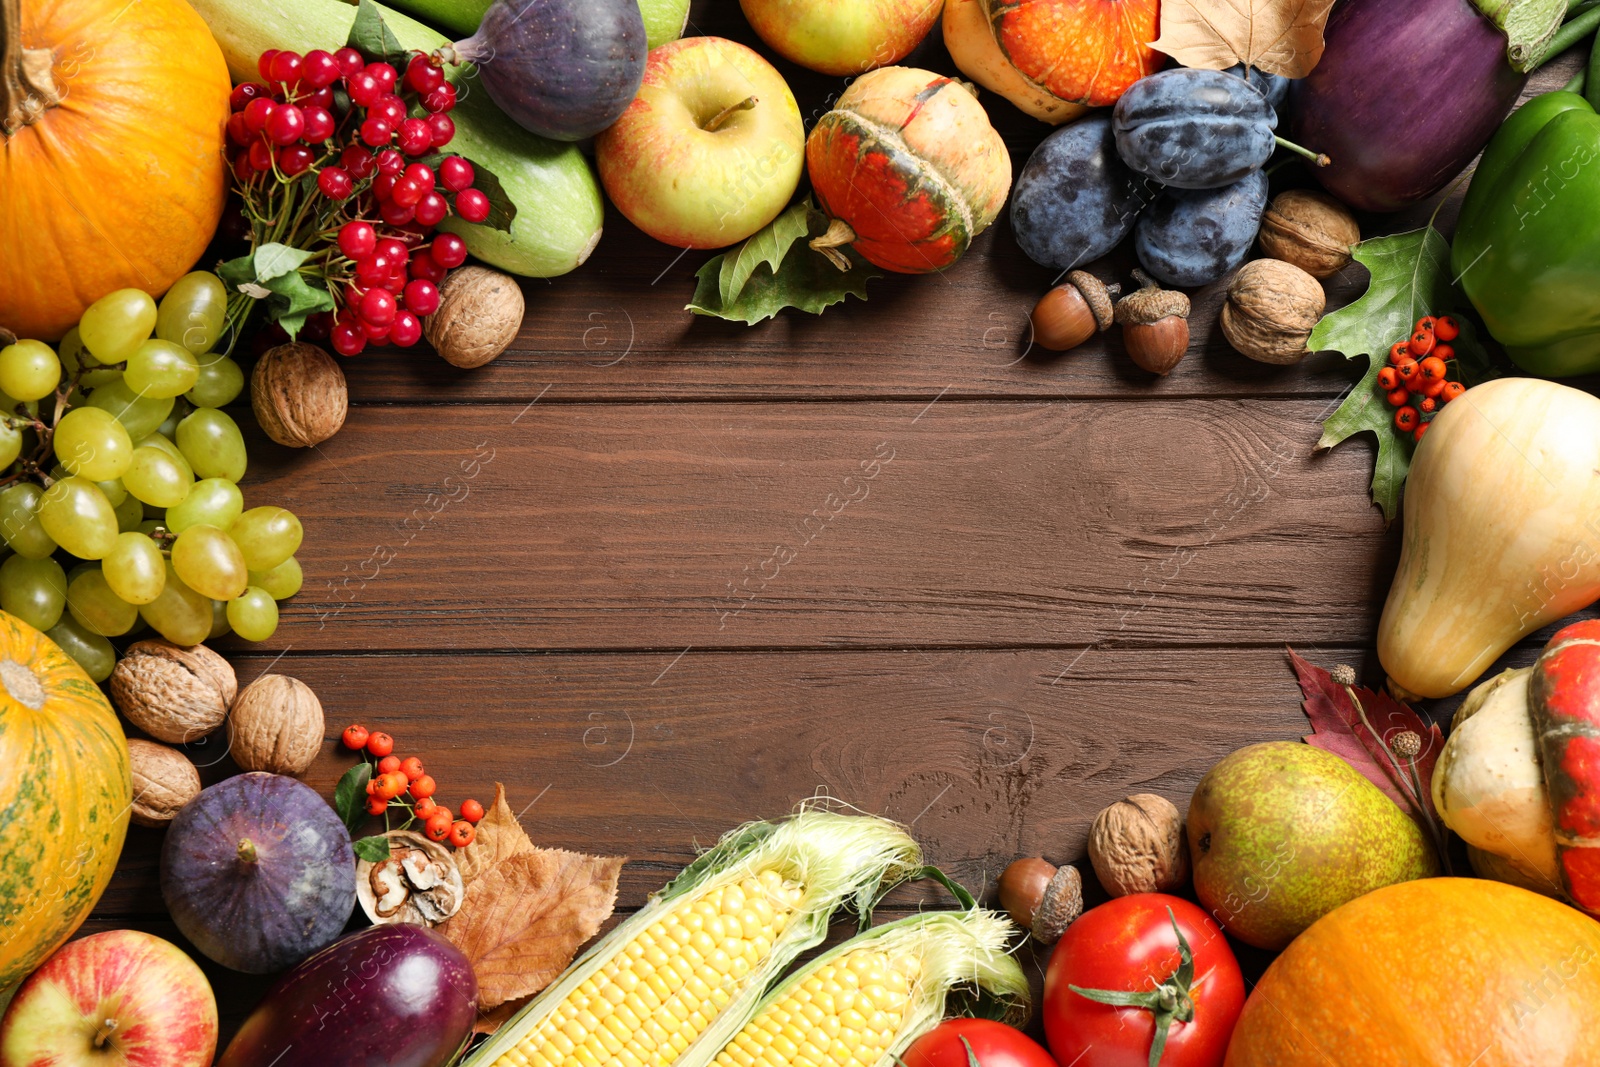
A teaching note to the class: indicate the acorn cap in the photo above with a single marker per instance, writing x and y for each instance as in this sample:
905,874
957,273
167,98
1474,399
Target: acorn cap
1151,303
1061,906
1097,295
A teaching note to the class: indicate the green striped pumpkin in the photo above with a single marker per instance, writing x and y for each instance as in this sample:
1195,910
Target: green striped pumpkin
65,795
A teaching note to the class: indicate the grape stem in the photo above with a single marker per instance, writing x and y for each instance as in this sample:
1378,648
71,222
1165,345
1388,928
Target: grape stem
37,466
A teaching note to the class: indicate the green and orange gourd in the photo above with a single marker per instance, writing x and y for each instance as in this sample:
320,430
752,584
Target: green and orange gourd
65,801
908,168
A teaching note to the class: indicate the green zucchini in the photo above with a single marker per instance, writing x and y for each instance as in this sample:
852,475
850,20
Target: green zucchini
559,206
664,20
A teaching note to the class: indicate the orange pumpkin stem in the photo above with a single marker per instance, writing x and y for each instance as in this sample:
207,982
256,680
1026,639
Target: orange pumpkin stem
27,81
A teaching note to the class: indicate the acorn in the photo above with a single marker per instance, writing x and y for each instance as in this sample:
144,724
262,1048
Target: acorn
1155,325
1073,312
1041,898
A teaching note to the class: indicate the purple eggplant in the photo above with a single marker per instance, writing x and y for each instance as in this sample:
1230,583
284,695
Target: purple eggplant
1407,92
387,996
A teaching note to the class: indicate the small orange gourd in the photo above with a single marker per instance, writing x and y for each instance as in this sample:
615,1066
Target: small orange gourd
1082,51
66,801
112,173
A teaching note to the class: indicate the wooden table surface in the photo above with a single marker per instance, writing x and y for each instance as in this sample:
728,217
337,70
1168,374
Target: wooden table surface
1017,587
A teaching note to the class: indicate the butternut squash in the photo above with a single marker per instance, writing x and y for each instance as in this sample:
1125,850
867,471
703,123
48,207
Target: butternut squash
1502,532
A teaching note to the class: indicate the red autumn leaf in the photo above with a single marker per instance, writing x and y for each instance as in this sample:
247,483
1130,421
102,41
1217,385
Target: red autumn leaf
1337,728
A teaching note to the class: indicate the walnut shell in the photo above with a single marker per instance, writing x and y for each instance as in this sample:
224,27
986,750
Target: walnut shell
1271,309
163,782
276,726
174,693
298,394
419,883
480,312
1312,230
1137,846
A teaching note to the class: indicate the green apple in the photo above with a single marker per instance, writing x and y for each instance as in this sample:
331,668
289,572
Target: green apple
664,20
842,37
711,149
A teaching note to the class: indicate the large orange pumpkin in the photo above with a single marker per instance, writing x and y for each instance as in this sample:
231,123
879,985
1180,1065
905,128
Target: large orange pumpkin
112,173
1441,972
65,796
1081,51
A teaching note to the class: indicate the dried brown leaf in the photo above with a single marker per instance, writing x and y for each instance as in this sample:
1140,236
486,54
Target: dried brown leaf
523,920
500,836
1277,36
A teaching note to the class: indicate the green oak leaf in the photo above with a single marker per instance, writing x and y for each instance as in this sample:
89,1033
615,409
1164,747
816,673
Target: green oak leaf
769,274
1410,278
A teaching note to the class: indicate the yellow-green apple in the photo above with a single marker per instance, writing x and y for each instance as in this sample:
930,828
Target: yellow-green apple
842,36
664,20
710,150
117,999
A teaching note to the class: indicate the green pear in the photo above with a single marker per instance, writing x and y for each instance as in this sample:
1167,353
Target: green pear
1282,833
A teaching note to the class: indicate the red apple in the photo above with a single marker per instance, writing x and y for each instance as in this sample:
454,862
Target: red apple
117,999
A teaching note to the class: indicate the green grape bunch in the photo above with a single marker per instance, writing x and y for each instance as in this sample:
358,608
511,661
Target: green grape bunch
120,508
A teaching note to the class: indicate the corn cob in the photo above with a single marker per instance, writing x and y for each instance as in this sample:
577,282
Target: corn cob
688,969
861,1004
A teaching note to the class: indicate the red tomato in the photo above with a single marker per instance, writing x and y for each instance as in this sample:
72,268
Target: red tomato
994,1044
1129,945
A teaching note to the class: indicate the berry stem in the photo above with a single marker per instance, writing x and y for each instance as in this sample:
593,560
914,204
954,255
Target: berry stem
1318,159
1410,784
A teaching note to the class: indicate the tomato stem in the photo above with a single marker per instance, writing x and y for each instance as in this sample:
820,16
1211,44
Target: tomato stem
1169,1002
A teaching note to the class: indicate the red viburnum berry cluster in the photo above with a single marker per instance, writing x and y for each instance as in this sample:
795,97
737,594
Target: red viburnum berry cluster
406,784
381,201
1417,381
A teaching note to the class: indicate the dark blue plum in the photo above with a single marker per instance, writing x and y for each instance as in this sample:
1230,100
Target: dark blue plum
1275,87
1193,237
1075,200
1195,129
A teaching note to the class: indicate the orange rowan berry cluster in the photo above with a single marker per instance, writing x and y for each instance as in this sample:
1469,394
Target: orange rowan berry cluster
1417,380
406,785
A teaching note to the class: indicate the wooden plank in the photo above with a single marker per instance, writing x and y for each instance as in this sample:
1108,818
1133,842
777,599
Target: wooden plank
763,525
986,754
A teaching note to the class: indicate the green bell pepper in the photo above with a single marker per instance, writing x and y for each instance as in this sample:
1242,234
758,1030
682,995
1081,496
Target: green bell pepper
1527,245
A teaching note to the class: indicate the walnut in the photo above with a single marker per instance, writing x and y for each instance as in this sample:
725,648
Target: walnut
174,693
1137,846
1271,309
277,726
480,312
163,782
419,883
1311,230
298,394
